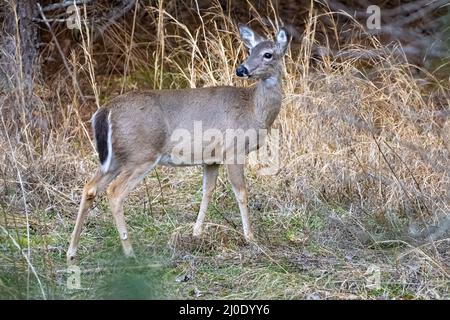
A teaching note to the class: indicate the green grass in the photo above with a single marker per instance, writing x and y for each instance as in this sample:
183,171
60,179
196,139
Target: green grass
295,257
308,252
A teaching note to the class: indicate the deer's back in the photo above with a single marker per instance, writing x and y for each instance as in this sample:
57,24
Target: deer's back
147,119
218,107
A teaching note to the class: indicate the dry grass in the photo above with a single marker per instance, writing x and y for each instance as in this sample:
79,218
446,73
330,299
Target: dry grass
364,178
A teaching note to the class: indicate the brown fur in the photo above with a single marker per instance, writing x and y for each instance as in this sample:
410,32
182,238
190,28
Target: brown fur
166,110
142,125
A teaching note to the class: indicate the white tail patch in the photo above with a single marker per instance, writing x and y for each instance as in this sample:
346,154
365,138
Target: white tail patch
105,166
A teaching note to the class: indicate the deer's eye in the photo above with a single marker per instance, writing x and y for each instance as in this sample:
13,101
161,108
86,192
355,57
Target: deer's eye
267,55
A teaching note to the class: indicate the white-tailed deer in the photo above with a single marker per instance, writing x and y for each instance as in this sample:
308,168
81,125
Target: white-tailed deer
135,132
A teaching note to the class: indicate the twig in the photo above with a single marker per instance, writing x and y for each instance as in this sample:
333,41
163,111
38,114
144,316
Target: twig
112,268
44,18
127,62
44,296
50,20
64,4
422,12
115,14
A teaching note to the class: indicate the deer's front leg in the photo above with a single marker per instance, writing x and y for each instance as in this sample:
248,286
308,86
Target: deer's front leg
96,185
210,173
237,179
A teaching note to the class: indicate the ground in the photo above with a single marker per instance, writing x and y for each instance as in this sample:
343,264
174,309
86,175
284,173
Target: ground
299,253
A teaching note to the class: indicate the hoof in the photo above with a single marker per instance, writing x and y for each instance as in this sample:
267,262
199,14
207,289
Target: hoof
129,254
197,233
250,237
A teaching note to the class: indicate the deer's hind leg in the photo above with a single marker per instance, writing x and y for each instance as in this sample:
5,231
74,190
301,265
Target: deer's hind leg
92,188
237,179
117,193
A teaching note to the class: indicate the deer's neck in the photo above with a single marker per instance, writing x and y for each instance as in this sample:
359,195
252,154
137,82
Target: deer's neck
267,99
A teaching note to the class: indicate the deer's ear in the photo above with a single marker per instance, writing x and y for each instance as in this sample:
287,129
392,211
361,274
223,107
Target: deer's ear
282,40
249,37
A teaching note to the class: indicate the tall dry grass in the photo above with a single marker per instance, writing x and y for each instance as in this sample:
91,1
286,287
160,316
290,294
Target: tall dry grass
364,146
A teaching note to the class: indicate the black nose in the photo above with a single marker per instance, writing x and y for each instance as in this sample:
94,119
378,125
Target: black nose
241,71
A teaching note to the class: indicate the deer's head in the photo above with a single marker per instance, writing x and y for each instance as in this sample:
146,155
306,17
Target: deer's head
266,55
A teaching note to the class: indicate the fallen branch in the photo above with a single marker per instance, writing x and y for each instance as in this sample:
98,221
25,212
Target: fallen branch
64,4
116,13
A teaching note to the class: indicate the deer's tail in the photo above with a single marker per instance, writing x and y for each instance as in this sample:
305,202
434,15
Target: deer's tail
101,125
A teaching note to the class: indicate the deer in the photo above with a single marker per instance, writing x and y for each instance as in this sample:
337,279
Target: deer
133,134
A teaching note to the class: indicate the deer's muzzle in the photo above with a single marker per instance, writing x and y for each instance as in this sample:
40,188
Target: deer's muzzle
242,71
